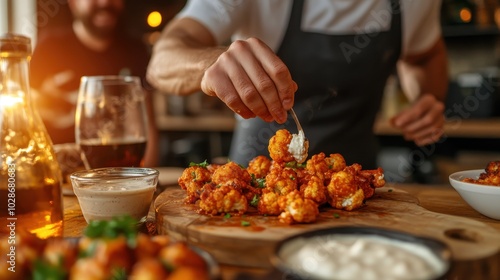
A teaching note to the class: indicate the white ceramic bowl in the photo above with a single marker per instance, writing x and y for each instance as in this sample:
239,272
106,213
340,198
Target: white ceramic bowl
357,252
105,193
484,199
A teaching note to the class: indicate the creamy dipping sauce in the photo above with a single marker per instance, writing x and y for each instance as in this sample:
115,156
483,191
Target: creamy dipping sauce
298,147
100,202
358,256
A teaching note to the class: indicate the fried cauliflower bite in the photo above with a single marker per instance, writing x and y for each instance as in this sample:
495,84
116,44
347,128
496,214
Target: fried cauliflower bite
268,204
323,167
59,251
314,190
278,146
317,166
281,180
343,190
491,176
336,163
229,171
374,179
178,254
493,168
244,188
149,269
103,256
297,209
222,199
192,180
259,166
89,269
149,246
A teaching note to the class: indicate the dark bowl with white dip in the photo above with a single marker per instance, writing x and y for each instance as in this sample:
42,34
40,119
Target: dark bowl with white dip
353,252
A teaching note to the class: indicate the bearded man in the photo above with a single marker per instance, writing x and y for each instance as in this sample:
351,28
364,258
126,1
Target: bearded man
93,45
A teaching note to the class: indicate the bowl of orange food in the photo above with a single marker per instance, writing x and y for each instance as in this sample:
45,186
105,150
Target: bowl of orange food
480,188
113,249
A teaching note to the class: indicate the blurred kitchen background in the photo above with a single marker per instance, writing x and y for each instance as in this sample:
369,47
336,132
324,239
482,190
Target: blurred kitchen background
198,128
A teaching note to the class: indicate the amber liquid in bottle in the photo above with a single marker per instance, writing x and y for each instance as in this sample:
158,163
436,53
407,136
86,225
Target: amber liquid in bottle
30,177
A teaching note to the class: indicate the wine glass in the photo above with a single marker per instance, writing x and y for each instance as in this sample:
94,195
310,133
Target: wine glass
110,121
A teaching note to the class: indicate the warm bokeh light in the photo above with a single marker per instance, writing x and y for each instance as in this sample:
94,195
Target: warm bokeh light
154,19
9,100
465,15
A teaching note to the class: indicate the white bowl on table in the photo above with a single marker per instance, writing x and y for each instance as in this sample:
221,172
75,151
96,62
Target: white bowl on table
105,193
484,199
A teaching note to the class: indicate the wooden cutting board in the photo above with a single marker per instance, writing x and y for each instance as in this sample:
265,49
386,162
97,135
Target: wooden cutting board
231,243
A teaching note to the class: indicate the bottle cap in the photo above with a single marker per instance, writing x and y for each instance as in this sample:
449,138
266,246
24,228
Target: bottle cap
14,44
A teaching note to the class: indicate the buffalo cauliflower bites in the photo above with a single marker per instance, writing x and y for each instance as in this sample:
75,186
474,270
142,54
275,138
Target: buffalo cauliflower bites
108,250
282,186
490,176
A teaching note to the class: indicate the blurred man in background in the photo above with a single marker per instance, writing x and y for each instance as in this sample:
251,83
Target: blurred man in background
93,45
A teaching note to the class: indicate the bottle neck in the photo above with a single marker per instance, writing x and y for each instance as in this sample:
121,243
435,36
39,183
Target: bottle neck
14,79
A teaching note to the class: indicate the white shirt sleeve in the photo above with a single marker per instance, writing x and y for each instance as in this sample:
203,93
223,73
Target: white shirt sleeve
421,25
221,17
240,19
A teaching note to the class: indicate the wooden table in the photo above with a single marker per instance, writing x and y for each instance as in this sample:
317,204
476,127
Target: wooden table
437,198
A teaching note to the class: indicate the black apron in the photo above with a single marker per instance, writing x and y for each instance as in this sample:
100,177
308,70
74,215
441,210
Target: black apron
341,79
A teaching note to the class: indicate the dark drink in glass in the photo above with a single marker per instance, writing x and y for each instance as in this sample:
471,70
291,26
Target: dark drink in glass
117,153
111,121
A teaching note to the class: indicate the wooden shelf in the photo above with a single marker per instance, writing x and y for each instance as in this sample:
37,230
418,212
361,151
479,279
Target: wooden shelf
467,128
469,30
206,123
470,128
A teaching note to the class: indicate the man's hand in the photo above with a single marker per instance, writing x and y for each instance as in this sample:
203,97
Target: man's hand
423,122
252,81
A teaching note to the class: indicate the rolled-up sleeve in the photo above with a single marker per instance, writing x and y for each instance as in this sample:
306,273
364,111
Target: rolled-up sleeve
421,25
221,17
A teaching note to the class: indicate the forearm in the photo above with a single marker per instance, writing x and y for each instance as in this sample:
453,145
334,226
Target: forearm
180,59
425,73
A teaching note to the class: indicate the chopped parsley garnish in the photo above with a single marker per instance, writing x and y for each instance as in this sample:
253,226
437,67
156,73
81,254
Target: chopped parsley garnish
43,270
118,273
261,182
201,164
245,223
336,215
255,201
227,216
122,225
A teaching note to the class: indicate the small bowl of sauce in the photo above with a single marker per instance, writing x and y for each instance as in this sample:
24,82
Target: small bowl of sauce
106,193
361,253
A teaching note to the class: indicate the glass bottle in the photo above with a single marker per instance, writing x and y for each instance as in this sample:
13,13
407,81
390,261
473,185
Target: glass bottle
30,177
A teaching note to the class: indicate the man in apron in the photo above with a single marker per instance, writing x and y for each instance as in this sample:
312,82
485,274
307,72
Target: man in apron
334,80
